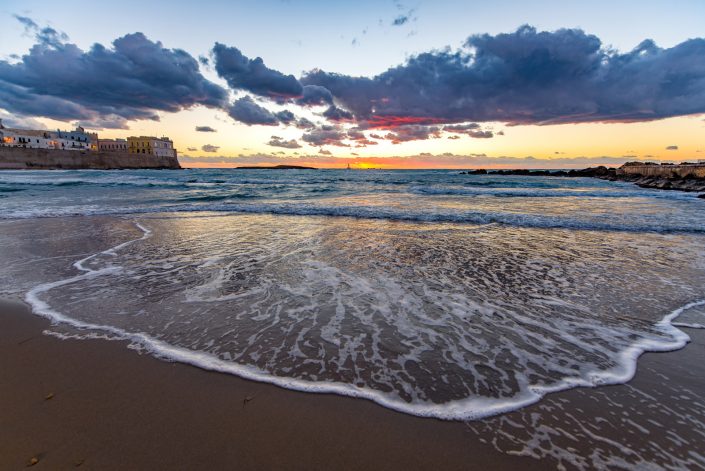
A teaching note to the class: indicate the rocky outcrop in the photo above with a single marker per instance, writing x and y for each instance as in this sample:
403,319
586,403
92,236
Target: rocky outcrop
19,158
663,183
686,177
596,172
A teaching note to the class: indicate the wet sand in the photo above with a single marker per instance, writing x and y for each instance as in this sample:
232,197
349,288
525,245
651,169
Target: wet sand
95,404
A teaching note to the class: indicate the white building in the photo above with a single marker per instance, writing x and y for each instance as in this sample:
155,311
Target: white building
77,139
40,139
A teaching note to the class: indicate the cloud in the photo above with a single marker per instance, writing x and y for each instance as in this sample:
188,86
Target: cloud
333,113
205,129
277,141
13,121
462,128
192,149
528,77
210,148
360,139
412,133
469,129
672,148
325,158
103,122
400,20
247,111
242,73
523,77
326,135
285,116
134,79
304,123
315,95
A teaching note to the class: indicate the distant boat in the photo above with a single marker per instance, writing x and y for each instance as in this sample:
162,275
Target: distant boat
348,167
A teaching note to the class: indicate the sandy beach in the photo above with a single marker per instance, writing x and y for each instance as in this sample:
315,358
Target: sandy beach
94,404
336,236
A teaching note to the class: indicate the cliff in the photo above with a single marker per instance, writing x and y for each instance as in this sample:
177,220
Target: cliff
19,158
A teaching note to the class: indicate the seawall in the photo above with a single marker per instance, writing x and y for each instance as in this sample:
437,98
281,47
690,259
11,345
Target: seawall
663,171
20,158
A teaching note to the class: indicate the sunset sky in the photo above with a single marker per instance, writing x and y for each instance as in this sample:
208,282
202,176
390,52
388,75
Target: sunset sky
376,83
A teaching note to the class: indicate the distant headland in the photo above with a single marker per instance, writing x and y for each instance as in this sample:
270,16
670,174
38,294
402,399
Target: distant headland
275,167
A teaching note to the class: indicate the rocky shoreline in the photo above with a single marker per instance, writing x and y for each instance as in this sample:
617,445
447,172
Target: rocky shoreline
691,184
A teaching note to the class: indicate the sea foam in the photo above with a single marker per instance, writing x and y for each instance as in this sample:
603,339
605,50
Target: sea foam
103,265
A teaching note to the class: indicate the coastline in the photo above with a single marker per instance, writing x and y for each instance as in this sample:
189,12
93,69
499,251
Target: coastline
669,181
99,405
112,408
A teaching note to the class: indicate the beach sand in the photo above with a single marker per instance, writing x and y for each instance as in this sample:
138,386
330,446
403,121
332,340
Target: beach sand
95,404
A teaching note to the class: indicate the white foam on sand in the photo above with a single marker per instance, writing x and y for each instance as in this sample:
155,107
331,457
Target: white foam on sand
470,408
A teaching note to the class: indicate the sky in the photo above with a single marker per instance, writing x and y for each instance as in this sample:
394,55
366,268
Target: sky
390,84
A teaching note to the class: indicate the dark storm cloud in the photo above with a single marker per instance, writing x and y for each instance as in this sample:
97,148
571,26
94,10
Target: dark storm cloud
133,80
285,116
205,129
333,113
247,111
243,73
277,141
528,77
524,77
315,95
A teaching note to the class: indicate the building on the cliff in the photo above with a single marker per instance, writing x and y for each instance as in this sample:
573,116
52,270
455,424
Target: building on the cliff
112,145
162,147
77,139
41,139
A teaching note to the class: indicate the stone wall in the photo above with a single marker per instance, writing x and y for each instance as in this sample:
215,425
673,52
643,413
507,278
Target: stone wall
20,158
664,171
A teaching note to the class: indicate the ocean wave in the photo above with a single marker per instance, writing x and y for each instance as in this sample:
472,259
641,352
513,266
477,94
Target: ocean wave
433,215
547,192
10,189
474,407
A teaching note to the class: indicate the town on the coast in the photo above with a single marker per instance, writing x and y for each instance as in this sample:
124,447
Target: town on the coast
81,140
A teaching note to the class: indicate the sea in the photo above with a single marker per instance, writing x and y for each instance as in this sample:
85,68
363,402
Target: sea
433,293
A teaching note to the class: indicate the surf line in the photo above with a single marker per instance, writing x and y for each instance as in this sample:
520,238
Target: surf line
43,309
471,408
